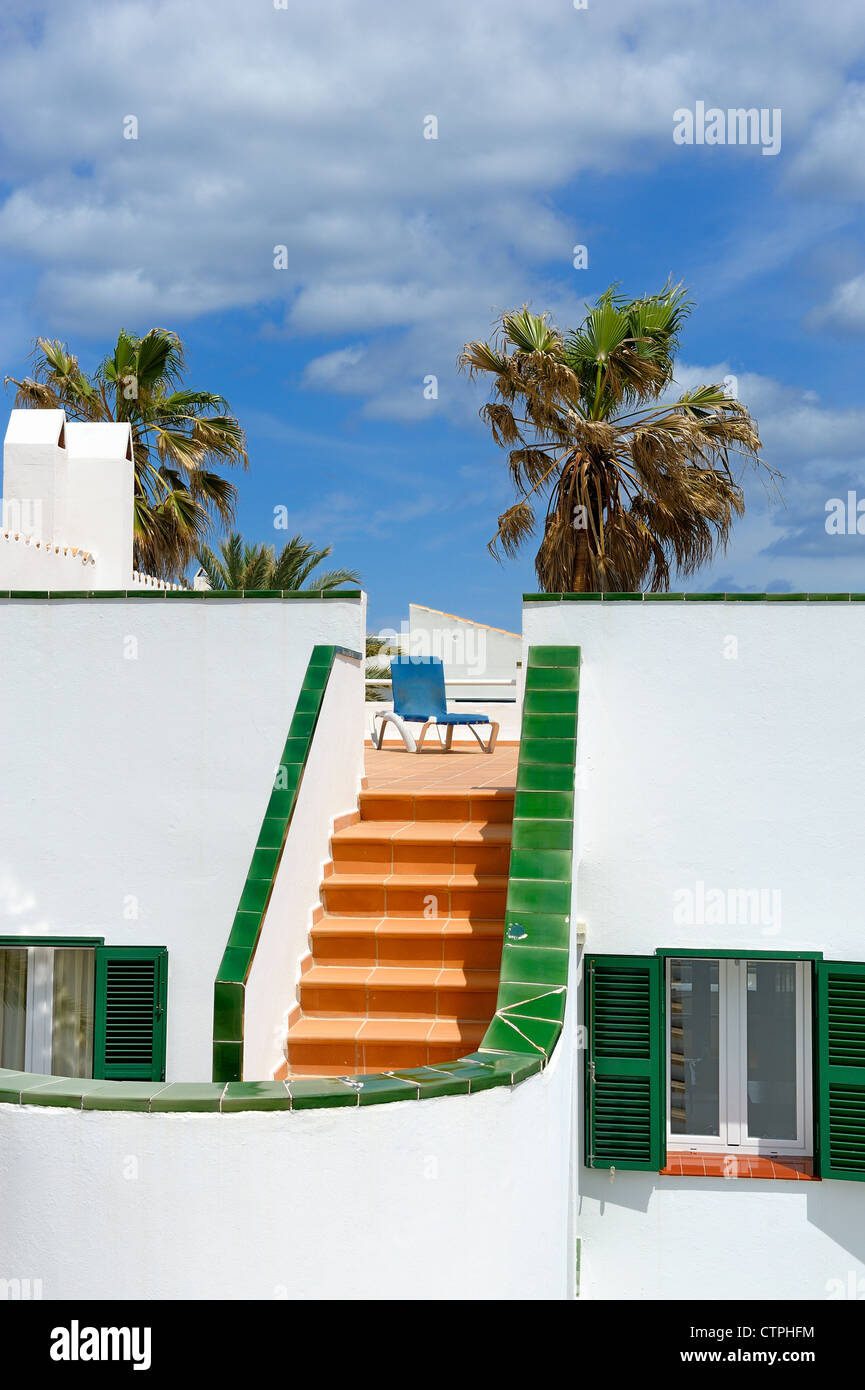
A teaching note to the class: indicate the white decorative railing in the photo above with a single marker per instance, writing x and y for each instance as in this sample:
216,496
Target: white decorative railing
149,581
71,552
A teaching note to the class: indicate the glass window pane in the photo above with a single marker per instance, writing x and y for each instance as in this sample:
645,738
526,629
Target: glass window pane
13,1007
694,1047
40,995
771,1049
72,1024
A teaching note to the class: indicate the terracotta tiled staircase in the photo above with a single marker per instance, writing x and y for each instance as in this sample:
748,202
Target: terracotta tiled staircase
406,949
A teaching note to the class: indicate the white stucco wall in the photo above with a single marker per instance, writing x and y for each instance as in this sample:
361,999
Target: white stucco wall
721,744
139,741
643,1236
330,786
462,1197
741,772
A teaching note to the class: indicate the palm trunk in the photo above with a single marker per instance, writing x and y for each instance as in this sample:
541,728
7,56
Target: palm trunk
580,578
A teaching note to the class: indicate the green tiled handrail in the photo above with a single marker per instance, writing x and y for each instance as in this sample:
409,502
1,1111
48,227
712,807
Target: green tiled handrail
535,953
693,598
229,991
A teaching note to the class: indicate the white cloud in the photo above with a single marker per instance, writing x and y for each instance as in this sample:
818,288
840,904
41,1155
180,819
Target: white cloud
373,305
794,423
330,370
96,295
304,128
832,160
845,309
821,452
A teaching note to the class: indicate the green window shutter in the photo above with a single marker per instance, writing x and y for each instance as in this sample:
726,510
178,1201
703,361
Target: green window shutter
841,1068
625,1100
129,1026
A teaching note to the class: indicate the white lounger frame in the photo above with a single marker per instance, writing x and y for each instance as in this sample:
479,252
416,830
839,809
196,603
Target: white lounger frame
414,745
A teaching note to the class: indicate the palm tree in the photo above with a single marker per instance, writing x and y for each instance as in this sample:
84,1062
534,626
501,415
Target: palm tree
180,437
376,669
633,481
240,565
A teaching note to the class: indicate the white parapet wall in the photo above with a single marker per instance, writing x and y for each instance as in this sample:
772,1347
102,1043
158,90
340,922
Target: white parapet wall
461,1197
721,748
330,786
37,565
140,743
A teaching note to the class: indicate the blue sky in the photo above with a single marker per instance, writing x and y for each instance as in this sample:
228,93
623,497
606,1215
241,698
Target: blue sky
303,127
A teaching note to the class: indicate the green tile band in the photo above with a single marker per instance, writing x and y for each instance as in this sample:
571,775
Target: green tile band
475,1073
532,992
229,990
195,594
692,598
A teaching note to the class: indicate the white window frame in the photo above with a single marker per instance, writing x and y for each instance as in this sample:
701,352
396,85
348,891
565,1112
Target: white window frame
732,1068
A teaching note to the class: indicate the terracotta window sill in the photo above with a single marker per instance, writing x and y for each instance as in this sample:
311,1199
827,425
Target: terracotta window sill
735,1165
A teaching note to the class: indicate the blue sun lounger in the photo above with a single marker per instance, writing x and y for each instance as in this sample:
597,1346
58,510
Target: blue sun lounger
419,698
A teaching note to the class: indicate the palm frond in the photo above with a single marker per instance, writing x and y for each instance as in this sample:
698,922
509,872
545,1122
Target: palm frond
329,580
530,332
217,493
514,527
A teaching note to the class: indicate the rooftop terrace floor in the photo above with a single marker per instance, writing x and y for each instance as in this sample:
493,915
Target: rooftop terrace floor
463,769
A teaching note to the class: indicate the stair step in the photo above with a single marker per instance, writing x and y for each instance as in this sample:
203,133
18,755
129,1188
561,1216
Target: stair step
416,894
479,804
406,945
468,942
357,1044
382,847
399,992
427,831
396,857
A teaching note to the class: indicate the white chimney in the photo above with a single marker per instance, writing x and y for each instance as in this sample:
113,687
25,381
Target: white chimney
34,475
100,496
68,492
